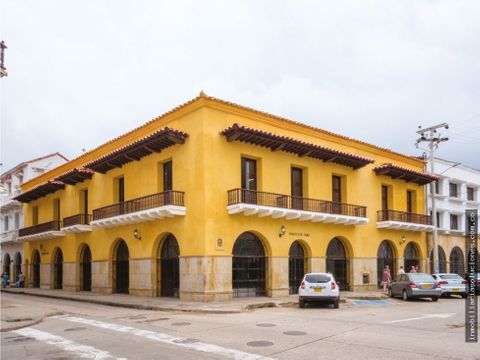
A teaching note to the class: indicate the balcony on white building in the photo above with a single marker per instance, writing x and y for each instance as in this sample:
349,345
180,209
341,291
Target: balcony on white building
263,204
148,208
9,236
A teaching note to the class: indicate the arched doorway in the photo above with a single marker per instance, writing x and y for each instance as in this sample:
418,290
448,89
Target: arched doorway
337,262
168,265
36,269
457,262
248,266
85,269
296,267
385,256
120,268
6,265
442,261
17,265
410,256
58,269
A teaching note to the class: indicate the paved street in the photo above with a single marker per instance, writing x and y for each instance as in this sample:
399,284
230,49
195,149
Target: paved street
360,329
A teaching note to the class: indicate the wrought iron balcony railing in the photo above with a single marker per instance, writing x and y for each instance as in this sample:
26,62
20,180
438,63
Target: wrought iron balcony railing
54,225
79,219
401,216
139,204
238,196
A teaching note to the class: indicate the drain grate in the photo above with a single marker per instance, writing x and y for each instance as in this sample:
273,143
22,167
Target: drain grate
260,343
295,333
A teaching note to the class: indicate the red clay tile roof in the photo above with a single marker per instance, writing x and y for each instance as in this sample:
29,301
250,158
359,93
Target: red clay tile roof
41,190
245,134
408,175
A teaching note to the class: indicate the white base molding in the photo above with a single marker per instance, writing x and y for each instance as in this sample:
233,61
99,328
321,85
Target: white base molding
43,235
399,225
78,228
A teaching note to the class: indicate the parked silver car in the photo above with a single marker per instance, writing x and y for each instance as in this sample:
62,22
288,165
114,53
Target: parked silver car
451,284
415,285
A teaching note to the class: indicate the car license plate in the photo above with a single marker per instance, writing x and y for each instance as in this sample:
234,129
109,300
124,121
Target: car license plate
456,290
426,286
317,289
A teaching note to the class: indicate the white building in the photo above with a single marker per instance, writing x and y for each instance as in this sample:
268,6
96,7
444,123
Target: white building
11,211
457,189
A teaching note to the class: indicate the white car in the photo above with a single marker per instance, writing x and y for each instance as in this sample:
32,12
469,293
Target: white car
319,287
451,284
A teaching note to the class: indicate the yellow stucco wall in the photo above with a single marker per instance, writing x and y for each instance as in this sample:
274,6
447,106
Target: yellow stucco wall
205,168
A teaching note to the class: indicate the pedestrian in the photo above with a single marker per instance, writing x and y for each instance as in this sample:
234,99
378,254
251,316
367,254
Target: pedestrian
412,269
401,271
5,279
21,280
386,277
417,269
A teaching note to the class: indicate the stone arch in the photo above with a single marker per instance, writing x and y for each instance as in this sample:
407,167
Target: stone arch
297,265
411,256
457,261
338,257
36,261
386,255
6,264
249,265
57,268
120,267
442,261
17,265
85,267
168,266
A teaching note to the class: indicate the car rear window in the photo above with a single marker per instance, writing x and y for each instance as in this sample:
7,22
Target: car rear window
450,276
422,277
317,278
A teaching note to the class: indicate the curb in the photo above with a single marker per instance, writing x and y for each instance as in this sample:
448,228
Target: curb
132,306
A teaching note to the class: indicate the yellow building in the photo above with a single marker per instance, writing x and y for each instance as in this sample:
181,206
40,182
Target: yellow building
213,200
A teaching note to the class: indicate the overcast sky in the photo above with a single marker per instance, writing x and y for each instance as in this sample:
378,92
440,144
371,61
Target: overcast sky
83,72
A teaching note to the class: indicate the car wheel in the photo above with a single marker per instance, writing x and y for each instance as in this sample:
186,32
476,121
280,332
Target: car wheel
301,303
336,304
390,292
405,295
434,298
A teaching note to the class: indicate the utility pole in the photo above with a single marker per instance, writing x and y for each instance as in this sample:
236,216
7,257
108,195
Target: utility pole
432,136
3,69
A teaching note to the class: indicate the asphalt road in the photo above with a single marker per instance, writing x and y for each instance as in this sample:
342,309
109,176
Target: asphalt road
364,330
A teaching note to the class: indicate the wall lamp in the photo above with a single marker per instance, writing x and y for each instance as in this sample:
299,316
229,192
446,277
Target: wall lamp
283,229
403,239
136,234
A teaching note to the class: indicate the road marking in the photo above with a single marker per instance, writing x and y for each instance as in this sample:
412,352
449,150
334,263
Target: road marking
83,351
168,339
439,316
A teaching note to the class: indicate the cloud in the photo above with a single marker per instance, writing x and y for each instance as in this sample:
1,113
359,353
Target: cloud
83,73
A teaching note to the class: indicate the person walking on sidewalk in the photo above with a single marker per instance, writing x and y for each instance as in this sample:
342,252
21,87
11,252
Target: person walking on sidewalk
5,279
401,271
386,277
21,280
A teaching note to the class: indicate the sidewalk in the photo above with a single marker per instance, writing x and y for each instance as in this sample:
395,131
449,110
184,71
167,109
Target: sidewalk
234,306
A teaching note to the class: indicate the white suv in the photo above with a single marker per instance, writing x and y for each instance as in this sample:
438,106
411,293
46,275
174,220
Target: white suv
319,287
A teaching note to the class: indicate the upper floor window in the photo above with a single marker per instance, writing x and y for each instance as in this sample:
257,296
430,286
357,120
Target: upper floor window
453,190
5,223
384,197
249,174
409,201
470,193
84,202
9,187
453,222
438,220
56,209
297,182
336,189
437,187
35,215
167,176
120,189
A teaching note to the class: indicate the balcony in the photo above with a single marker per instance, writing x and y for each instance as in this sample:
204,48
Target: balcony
77,223
148,208
43,231
263,204
9,236
392,219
